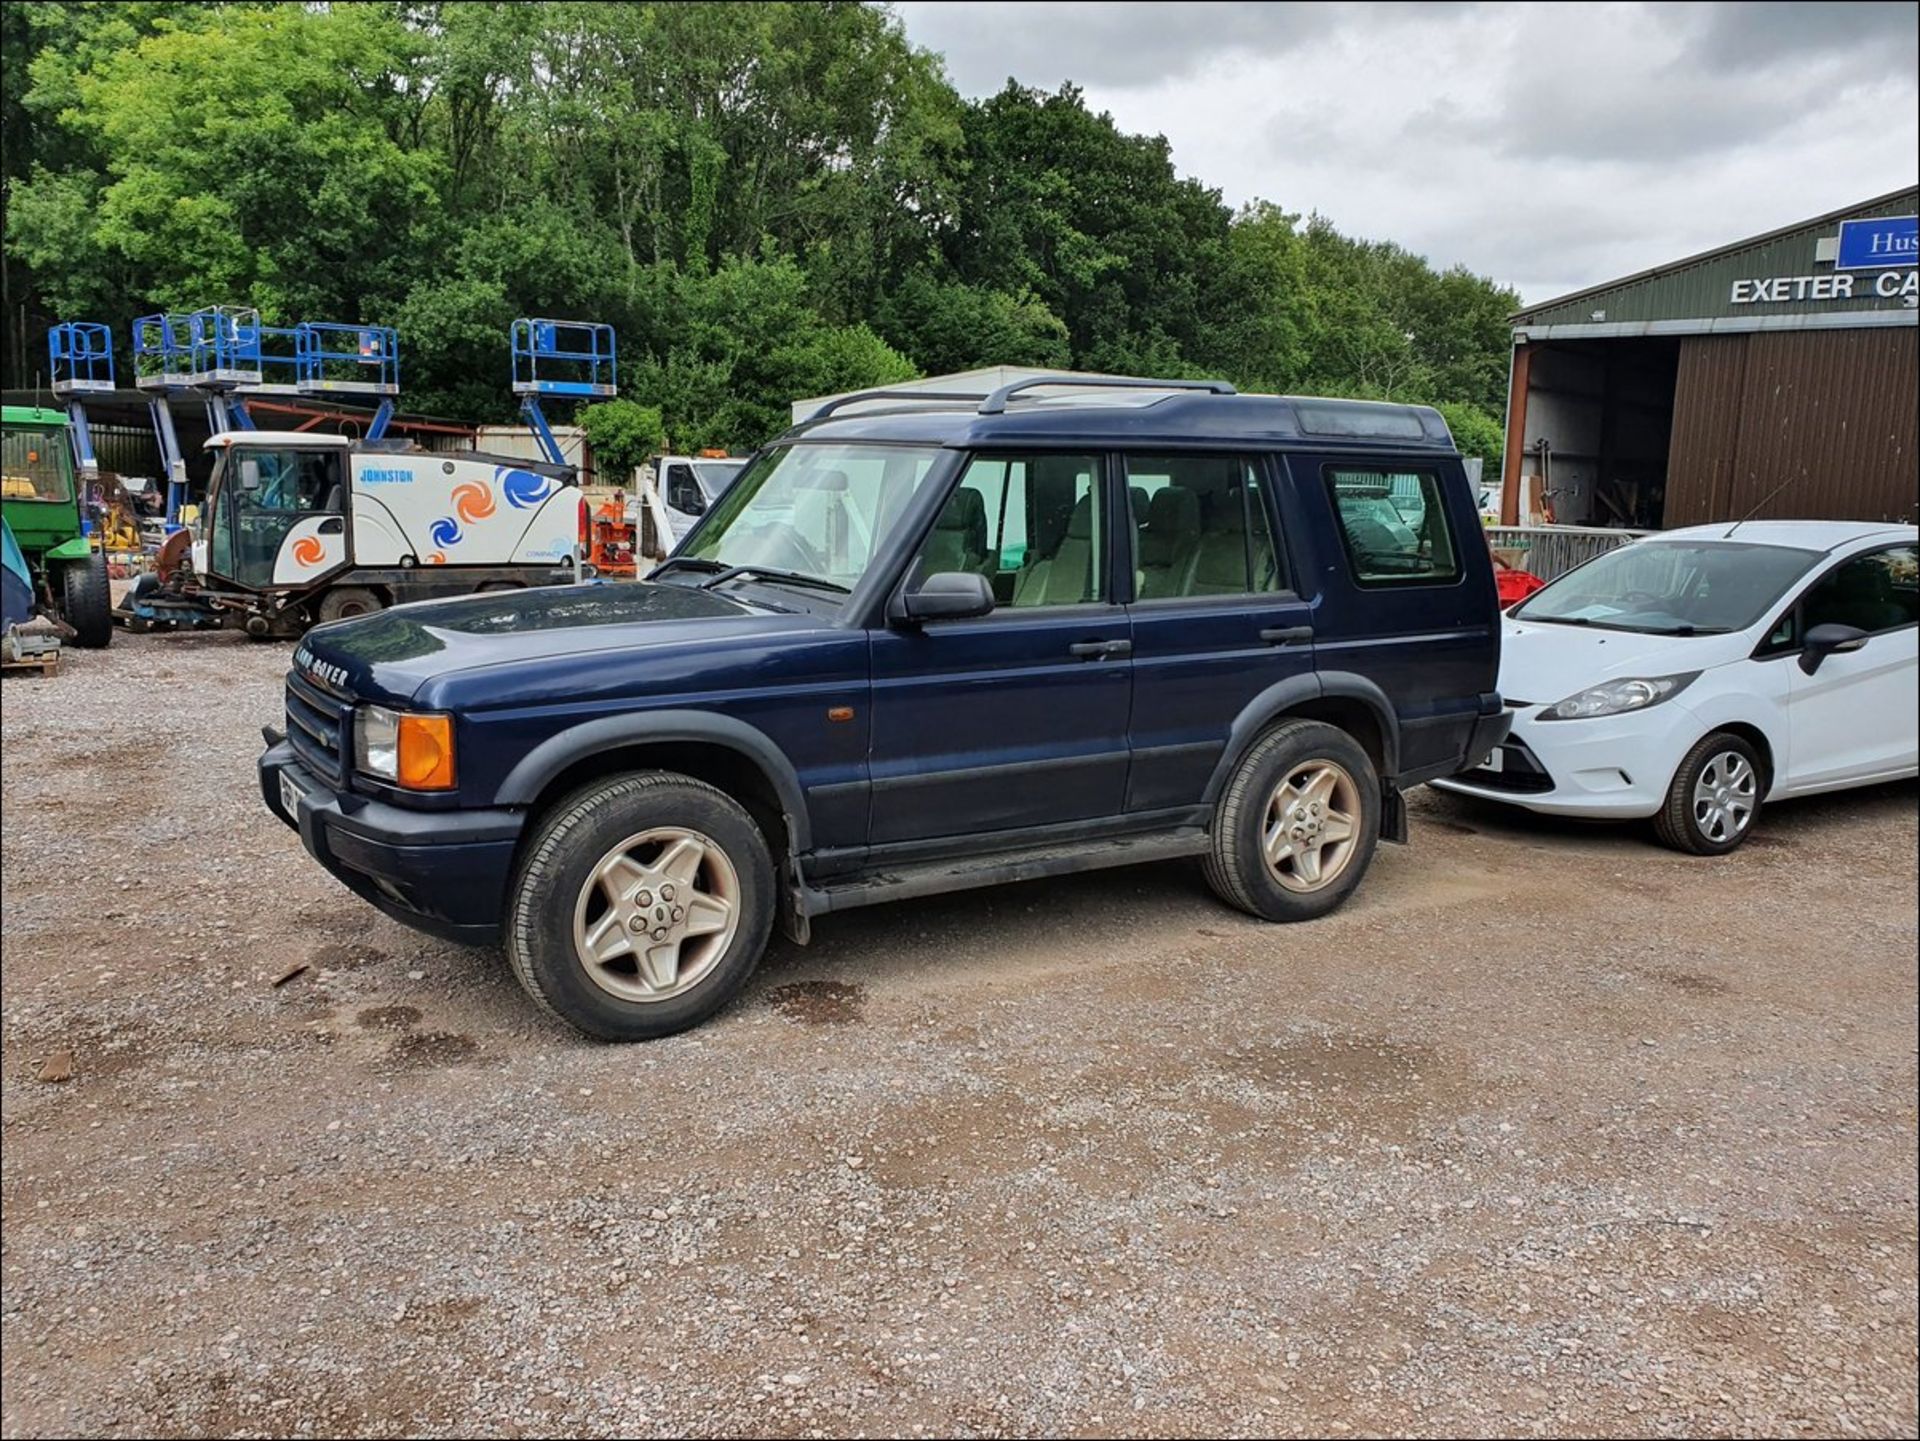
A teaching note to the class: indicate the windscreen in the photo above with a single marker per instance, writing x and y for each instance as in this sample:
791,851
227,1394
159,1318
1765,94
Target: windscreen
1671,587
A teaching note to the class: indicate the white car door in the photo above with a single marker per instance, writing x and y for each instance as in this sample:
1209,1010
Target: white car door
1857,717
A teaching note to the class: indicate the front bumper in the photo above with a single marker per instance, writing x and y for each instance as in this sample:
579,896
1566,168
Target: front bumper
442,872
1607,768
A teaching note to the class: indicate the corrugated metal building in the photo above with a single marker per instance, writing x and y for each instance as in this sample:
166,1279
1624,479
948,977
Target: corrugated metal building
1776,376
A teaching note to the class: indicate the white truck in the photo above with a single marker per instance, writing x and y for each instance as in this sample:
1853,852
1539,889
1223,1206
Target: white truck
301,528
690,484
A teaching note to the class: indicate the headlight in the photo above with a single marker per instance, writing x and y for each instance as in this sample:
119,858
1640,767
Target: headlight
376,742
412,751
1618,696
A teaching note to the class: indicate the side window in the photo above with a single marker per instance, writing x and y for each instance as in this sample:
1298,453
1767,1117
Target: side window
1200,527
1030,524
1875,592
1393,525
683,492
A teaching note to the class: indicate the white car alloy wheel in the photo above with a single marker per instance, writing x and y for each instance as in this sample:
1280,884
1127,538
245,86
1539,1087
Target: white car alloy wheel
1724,796
656,914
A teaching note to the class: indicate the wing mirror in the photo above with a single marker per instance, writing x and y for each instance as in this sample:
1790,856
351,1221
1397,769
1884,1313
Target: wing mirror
1829,639
947,595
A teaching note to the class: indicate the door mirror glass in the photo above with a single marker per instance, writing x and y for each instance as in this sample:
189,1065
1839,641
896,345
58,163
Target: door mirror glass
249,475
1829,639
948,595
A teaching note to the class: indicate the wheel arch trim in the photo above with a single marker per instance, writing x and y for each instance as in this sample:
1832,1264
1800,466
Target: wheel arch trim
530,777
1278,699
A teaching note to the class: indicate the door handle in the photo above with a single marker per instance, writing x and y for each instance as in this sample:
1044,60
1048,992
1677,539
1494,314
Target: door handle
1287,634
332,525
1100,649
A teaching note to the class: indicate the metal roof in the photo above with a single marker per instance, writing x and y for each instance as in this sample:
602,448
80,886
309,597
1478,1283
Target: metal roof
1696,288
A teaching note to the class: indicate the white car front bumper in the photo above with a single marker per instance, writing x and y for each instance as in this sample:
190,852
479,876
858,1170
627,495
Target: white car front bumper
1615,767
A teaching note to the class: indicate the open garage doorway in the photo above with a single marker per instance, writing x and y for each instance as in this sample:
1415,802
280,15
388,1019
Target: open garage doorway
1593,422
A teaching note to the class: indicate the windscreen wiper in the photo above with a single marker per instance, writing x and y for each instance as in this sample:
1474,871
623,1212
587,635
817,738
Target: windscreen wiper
684,562
1685,630
768,572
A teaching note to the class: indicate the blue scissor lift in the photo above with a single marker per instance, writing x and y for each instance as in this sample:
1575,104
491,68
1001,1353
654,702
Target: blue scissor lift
80,353
578,361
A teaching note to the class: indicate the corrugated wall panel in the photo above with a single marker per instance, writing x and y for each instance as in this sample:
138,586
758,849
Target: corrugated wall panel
1706,428
1809,424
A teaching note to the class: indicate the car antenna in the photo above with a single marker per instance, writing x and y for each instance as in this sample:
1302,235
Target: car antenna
1759,504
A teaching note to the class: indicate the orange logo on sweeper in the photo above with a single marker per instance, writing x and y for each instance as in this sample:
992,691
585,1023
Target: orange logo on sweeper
472,502
308,552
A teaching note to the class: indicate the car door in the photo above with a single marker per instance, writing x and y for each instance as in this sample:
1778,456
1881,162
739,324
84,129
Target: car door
1017,718
1856,717
1216,615
1406,607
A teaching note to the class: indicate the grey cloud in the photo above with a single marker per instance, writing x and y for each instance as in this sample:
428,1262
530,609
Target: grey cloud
1120,46
1880,39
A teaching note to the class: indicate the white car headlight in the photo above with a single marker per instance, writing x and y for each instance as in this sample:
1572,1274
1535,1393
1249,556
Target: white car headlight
1618,696
376,741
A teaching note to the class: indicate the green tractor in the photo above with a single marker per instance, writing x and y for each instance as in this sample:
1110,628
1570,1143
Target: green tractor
42,508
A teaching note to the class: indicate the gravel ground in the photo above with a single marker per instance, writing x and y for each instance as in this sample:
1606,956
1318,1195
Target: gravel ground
1548,1132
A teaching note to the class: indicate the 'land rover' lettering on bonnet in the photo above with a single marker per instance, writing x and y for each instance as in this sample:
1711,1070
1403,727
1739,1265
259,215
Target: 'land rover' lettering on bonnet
332,675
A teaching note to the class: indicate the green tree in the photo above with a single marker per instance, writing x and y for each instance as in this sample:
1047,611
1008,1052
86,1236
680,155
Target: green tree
623,435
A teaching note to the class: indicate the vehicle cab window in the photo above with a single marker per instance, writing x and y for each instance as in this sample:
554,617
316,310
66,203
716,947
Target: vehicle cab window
35,466
683,491
1031,524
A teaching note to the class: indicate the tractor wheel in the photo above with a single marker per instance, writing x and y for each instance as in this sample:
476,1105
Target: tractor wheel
86,600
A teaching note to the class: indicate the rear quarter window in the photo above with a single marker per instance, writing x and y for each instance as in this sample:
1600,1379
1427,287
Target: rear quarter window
1392,525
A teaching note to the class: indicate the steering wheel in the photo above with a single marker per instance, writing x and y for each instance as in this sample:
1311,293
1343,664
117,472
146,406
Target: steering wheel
772,539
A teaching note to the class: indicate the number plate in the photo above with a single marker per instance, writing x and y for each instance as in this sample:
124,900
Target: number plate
1496,761
289,795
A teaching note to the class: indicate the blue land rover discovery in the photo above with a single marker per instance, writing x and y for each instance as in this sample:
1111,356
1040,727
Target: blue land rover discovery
922,644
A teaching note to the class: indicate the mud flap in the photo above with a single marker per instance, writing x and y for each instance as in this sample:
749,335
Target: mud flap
1393,814
795,923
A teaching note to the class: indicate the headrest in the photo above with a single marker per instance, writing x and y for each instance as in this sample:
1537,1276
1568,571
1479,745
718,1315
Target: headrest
966,509
1080,523
1174,510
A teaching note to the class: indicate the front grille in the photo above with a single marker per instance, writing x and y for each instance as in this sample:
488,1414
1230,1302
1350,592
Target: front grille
1520,770
320,728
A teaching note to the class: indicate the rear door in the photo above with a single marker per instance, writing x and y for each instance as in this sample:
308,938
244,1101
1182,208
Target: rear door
1017,718
1218,616
1407,594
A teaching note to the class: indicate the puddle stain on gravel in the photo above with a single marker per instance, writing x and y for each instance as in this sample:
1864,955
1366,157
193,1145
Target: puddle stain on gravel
1686,981
820,1003
335,957
388,1018
1351,1065
427,1050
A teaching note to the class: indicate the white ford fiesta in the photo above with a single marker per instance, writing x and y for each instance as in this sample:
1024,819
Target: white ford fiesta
1693,675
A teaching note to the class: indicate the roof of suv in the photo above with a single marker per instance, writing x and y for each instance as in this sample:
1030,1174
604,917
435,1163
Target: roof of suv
1142,413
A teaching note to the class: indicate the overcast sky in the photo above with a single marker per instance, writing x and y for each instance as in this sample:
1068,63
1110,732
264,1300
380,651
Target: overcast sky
1551,146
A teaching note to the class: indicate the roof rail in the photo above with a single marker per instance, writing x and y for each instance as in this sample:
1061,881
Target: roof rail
859,395
996,403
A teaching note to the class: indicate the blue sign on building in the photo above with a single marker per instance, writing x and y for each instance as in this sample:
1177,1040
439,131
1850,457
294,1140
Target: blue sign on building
1887,243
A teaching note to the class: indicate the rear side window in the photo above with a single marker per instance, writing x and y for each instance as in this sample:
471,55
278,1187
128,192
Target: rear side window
1199,527
1393,525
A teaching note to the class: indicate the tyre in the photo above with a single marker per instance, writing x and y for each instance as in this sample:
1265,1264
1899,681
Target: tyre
1714,799
86,600
1297,824
346,601
641,905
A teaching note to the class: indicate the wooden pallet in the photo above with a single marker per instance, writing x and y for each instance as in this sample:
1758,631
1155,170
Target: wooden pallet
47,663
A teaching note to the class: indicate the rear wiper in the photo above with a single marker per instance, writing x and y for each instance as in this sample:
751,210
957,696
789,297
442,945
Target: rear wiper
768,572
